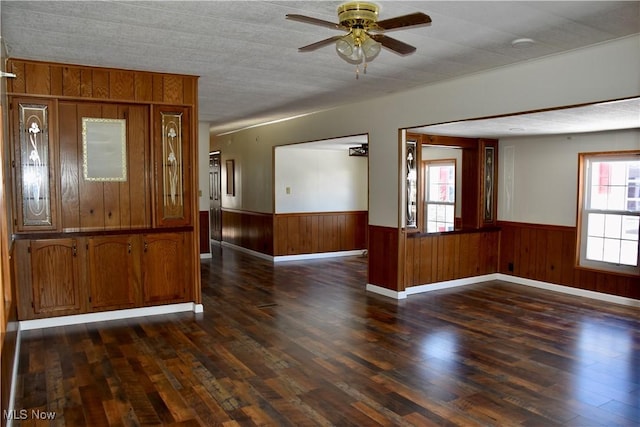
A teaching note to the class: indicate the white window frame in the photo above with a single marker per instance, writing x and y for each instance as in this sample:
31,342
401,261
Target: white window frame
425,198
584,211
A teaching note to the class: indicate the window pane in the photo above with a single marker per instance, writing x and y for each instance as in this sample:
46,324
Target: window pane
596,225
442,193
431,211
616,198
612,226
618,173
633,205
598,199
611,251
629,253
630,227
449,213
451,197
433,193
595,247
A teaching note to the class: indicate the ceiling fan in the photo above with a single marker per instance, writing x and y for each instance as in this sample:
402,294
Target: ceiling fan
365,36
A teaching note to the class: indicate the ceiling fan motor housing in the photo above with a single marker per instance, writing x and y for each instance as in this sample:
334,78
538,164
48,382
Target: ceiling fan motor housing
358,14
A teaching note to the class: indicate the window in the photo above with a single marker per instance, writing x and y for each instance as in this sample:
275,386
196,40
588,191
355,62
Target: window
440,195
609,211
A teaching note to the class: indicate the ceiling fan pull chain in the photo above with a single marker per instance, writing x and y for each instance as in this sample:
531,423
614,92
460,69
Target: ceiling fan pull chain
357,72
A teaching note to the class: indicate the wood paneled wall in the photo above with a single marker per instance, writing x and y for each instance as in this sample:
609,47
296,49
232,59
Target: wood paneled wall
317,232
76,81
204,238
448,256
383,257
250,230
94,205
548,253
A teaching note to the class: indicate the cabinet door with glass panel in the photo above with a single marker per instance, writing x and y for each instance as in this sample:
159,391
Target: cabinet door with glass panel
34,162
439,195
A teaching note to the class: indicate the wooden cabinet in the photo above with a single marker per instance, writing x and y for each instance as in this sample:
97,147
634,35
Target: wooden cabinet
87,240
96,273
112,272
163,268
54,276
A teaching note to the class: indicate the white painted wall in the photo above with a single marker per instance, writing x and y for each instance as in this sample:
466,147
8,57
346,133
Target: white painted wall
203,166
597,73
538,176
319,181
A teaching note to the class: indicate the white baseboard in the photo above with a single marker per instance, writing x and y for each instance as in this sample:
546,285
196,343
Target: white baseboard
299,257
206,255
569,290
386,292
102,316
429,287
399,295
450,284
247,251
317,255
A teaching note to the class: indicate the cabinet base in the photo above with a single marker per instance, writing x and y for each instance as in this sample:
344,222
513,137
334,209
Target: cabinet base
102,316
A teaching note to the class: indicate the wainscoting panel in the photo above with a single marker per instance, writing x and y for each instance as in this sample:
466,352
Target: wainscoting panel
250,230
448,256
318,232
383,257
547,253
205,239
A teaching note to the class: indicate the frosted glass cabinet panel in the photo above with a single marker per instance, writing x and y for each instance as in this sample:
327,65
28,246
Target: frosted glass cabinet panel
34,166
172,148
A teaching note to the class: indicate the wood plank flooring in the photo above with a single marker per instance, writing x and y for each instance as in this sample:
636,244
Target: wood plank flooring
302,344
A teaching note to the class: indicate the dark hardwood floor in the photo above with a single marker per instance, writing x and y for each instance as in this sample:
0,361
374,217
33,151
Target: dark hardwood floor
303,344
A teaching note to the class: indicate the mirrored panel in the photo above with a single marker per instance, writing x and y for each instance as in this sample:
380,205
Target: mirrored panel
104,149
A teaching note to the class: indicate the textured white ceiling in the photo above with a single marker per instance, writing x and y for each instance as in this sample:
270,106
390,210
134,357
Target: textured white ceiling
246,52
624,114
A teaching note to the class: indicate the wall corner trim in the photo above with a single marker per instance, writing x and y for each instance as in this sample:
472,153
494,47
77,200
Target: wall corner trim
386,292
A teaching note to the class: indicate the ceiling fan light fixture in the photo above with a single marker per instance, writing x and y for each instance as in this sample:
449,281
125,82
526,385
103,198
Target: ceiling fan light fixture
357,49
365,37
370,48
345,47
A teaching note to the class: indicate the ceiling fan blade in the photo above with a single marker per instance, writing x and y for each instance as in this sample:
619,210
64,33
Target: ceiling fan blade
315,21
393,44
417,18
321,43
